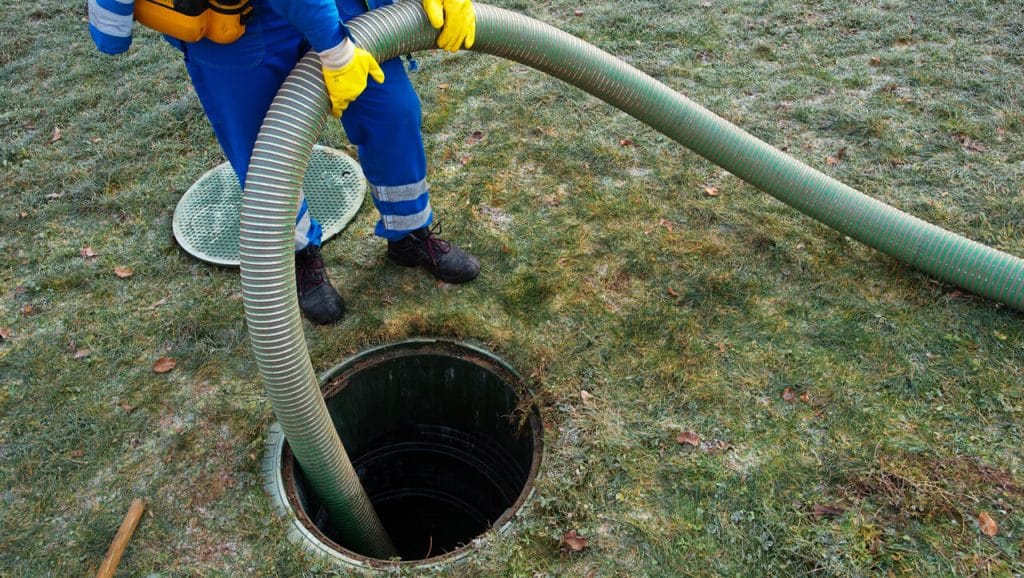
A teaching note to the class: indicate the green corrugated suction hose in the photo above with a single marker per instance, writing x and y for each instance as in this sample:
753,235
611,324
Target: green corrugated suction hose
297,116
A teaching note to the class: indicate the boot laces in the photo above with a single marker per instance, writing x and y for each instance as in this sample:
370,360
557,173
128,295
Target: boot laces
436,246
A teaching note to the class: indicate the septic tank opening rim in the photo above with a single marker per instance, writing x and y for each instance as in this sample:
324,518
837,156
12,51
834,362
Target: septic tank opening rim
334,380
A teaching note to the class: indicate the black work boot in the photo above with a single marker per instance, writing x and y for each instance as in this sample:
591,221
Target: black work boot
318,300
444,260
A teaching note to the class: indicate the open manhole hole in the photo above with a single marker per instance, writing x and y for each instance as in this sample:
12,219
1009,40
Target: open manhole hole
444,441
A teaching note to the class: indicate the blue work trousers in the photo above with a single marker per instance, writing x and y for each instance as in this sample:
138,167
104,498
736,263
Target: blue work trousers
237,82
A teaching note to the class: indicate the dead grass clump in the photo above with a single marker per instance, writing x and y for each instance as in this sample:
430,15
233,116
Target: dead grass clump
915,486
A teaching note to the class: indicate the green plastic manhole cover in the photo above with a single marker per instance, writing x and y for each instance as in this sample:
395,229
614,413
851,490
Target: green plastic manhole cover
206,220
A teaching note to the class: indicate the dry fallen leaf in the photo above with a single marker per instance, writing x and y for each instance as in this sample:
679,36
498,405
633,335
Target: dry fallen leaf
81,354
23,215
6,333
124,272
970,144
666,223
988,526
672,292
587,397
475,137
87,253
228,480
27,309
822,511
805,397
788,394
578,13
875,61
164,364
548,131
443,86
975,146
839,156
689,438
625,142
57,134
573,542
711,191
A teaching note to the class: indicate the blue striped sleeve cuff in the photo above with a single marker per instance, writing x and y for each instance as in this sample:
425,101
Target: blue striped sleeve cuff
110,24
109,44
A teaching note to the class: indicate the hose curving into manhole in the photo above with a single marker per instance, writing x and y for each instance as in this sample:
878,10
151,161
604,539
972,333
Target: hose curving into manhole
298,114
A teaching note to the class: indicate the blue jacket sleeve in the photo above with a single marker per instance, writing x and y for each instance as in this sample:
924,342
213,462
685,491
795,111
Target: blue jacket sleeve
317,20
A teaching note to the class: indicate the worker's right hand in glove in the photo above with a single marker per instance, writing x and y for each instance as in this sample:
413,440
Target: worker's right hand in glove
346,68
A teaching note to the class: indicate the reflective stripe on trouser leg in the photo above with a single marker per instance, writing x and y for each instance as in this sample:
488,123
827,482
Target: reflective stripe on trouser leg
402,208
307,229
384,122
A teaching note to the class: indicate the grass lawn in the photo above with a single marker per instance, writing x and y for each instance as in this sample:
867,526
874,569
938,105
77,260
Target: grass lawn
856,416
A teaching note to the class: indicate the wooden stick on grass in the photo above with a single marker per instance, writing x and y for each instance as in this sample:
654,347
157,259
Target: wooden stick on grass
124,533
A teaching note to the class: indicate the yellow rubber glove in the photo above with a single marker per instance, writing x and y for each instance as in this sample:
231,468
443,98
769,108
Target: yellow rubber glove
456,20
346,68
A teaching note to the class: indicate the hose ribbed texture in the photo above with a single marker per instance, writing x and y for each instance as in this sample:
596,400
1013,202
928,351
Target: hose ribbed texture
266,248
298,114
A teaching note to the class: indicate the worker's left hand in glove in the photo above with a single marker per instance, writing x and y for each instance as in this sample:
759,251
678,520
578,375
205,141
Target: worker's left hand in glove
346,68
456,20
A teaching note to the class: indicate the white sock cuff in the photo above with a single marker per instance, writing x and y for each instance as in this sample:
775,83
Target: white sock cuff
338,56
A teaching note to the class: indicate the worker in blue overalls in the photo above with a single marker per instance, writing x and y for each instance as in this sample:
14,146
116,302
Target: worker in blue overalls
377,105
